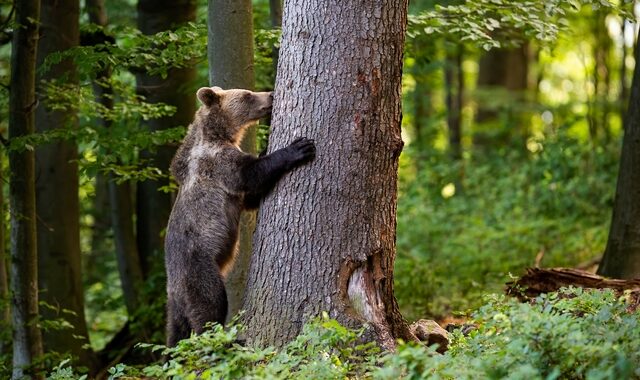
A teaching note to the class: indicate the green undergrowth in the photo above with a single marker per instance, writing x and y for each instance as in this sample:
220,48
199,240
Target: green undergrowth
572,334
465,227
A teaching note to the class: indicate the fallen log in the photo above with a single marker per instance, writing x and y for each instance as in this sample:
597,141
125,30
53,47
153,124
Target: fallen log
539,280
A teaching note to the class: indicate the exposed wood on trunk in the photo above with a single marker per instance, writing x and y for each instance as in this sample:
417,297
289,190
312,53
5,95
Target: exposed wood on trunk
230,53
154,206
57,202
539,280
27,341
622,254
325,239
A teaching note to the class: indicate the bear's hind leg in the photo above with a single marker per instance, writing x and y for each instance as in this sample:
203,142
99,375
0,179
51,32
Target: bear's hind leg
178,327
207,303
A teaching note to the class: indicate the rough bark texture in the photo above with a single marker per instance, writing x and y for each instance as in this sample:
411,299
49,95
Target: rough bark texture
230,52
622,256
27,341
57,203
325,239
153,206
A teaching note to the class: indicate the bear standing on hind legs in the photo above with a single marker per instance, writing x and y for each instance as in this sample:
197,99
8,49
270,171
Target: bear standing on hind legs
217,181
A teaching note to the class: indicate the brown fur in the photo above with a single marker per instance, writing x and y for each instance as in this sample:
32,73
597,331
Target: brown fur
217,181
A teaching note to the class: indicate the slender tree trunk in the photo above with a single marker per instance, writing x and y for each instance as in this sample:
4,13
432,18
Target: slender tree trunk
622,255
5,317
624,87
506,69
231,66
325,239
424,50
131,276
27,341
154,206
454,84
58,206
275,13
119,196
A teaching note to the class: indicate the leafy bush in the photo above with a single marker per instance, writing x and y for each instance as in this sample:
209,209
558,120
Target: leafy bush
572,334
324,350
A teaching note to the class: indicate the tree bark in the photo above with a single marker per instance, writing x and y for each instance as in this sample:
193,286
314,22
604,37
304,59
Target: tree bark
57,203
622,255
5,317
325,239
230,52
27,341
153,206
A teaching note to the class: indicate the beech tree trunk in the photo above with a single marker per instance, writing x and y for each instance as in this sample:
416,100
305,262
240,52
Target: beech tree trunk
325,239
27,341
230,53
57,203
153,206
622,255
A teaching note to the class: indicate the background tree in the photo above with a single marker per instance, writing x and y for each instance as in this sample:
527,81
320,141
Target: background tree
57,203
27,341
622,255
325,239
502,84
230,53
153,205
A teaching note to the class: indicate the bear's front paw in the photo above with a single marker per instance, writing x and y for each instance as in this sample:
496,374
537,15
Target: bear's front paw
303,150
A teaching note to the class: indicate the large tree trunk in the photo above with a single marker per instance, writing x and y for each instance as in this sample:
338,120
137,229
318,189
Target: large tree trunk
27,341
622,255
230,52
325,239
153,206
57,203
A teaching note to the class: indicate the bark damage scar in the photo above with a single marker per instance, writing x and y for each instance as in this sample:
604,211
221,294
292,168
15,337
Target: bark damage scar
360,291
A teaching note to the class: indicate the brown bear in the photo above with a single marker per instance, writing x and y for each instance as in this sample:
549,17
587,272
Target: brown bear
217,181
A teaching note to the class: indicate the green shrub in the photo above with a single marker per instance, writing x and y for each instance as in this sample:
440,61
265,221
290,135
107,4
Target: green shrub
572,334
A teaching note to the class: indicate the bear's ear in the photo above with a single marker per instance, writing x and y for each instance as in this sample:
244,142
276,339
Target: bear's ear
208,96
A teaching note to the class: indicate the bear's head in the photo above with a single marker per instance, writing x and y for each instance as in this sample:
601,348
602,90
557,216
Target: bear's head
227,113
